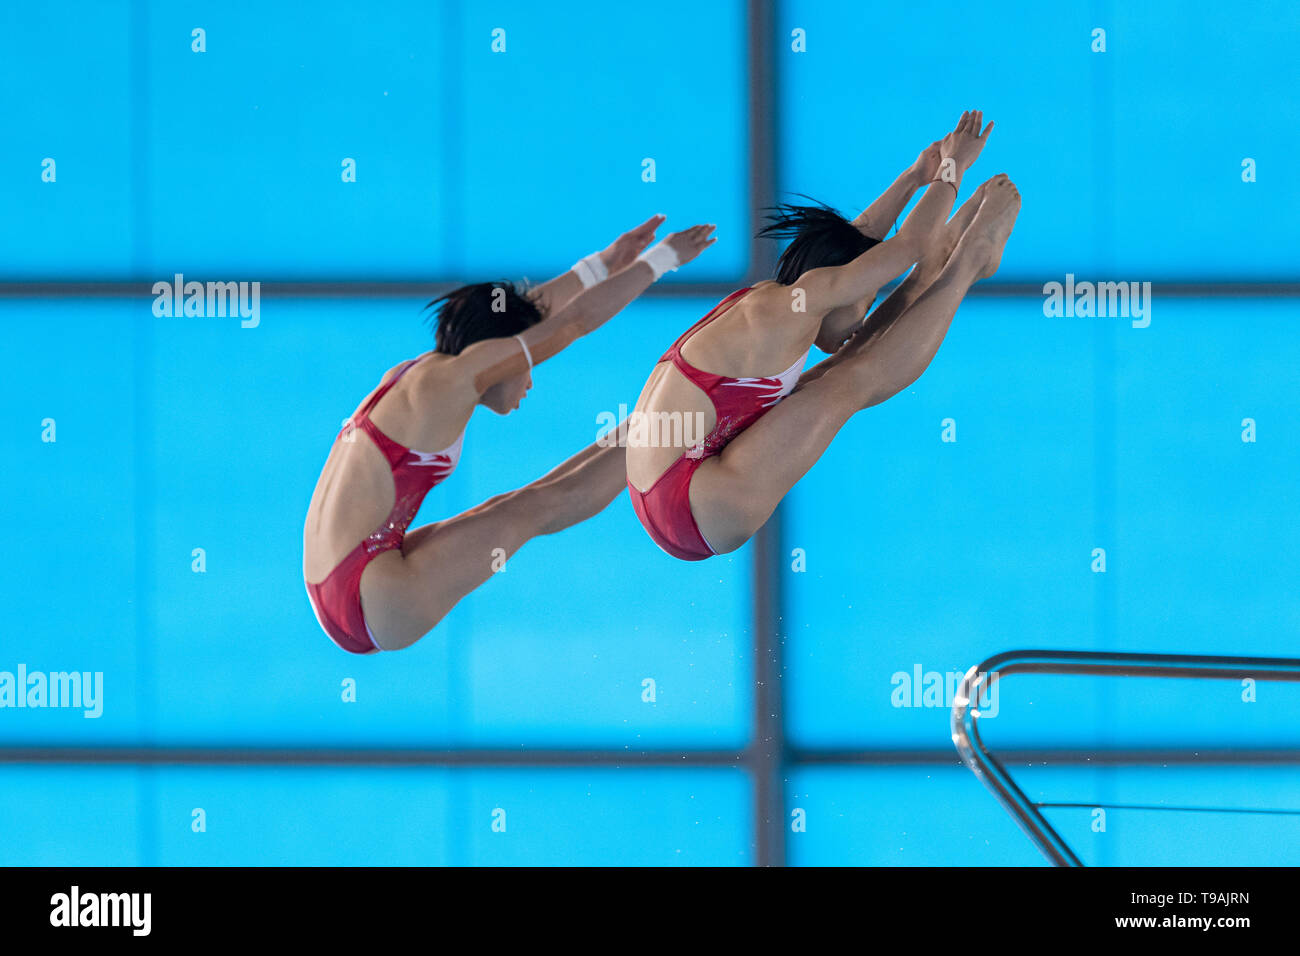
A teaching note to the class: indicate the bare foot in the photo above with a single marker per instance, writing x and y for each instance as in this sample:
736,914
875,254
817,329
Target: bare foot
986,236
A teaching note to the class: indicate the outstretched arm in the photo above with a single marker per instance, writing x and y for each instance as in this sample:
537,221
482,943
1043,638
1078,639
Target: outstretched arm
831,287
495,360
556,294
876,220
957,151
934,257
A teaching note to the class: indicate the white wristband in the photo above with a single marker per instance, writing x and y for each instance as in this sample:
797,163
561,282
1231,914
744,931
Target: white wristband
660,258
527,354
591,269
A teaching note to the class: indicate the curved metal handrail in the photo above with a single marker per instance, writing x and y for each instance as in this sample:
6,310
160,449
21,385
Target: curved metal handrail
985,766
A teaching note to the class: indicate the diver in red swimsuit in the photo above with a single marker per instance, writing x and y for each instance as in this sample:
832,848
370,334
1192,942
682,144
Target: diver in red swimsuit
337,599
372,585
769,426
737,403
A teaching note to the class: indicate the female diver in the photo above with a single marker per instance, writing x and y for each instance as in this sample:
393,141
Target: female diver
734,366
372,585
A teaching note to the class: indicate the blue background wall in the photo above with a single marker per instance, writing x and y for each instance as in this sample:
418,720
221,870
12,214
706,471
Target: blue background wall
1072,434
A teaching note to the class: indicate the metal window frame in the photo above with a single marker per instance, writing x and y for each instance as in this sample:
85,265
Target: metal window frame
993,773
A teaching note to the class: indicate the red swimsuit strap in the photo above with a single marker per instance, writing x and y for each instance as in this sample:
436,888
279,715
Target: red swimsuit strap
675,353
384,389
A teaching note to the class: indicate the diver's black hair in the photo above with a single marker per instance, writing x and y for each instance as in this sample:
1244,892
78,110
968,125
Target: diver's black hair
479,311
819,236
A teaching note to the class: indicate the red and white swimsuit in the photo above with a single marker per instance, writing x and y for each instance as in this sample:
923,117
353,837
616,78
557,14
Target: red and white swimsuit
337,599
665,507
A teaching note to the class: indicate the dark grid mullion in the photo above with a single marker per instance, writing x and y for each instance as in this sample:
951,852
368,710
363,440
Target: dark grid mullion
767,746
173,756
368,289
